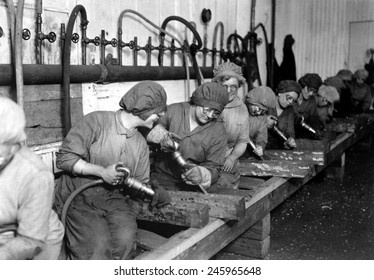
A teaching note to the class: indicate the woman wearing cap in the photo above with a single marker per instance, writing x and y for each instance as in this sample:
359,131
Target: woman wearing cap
203,140
29,228
306,106
326,97
259,101
361,99
100,222
236,121
287,93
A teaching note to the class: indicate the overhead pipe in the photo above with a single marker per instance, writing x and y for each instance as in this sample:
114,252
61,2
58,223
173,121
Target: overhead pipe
39,74
66,61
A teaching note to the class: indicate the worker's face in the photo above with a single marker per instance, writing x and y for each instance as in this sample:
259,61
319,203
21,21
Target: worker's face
307,92
7,152
231,86
206,114
287,99
255,110
152,119
322,101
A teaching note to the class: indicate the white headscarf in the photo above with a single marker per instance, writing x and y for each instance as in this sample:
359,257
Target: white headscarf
12,122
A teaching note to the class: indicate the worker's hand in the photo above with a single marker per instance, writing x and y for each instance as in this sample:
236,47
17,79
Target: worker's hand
193,176
111,176
259,151
290,143
318,135
161,196
169,142
271,120
229,164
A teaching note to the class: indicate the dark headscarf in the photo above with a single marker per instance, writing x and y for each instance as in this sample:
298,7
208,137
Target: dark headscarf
287,86
144,99
212,95
310,80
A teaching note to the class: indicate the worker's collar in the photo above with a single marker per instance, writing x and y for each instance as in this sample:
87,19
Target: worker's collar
121,129
235,103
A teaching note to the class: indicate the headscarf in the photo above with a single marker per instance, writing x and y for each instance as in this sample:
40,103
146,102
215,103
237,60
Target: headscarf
345,74
228,69
311,80
12,122
144,99
330,93
288,86
261,96
361,74
212,95
336,82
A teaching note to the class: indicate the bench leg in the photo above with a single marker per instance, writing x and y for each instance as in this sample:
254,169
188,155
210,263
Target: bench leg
335,170
252,244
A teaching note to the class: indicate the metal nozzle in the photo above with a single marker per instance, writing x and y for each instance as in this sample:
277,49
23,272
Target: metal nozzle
280,133
307,126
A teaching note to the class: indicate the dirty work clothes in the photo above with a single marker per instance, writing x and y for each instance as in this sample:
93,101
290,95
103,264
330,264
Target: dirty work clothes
205,146
100,138
360,97
258,130
307,109
285,124
26,196
236,121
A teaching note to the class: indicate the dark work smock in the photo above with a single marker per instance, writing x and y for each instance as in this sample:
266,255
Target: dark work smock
100,221
204,146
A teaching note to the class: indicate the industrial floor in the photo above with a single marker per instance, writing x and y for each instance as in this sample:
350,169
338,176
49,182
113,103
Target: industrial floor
328,219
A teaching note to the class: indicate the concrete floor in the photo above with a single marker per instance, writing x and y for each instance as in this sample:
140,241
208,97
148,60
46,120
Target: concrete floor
328,219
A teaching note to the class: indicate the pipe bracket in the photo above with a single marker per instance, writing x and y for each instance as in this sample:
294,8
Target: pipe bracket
104,74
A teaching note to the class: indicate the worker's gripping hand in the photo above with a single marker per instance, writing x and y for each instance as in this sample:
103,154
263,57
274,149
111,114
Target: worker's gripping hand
259,151
229,164
193,176
111,176
161,196
271,121
290,143
318,135
168,142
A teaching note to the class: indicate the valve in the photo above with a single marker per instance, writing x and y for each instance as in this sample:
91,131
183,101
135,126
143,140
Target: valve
95,41
75,38
51,36
114,42
26,34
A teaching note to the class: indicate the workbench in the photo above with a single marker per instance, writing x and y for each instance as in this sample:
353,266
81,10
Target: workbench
221,234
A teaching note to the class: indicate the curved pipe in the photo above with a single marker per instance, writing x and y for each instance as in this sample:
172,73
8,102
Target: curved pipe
218,25
71,197
193,47
162,30
66,62
268,57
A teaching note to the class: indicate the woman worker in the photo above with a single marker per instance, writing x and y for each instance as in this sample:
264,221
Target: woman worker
203,140
259,101
100,223
287,93
306,107
236,121
29,228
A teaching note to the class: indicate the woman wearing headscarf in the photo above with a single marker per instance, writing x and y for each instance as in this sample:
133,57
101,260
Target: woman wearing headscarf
100,222
203,140
306,107
236,121
326,97
287,93
29,228
259,101
361,99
